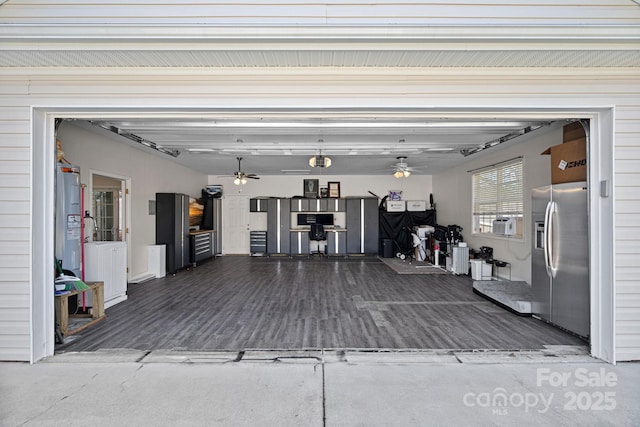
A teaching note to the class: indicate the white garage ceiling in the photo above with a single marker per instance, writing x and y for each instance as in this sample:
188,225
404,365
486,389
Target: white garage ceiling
281,142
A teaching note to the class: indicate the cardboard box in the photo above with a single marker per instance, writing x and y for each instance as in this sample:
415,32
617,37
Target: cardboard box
396,206
569,160
416,205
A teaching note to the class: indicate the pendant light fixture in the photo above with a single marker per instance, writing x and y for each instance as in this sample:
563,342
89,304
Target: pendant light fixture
319,160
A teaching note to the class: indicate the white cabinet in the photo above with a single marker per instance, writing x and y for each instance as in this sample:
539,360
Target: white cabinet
157,260
107,262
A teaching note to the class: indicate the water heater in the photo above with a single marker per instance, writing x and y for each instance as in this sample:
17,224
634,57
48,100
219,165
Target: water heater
68,214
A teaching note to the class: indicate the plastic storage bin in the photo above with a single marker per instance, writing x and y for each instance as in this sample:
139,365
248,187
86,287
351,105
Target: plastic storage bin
480,270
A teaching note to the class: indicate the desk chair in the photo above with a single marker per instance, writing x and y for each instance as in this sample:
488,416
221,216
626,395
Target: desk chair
318,234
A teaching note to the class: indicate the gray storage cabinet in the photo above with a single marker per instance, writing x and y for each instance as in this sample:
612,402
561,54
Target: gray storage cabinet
172,228
258,205
317,205
337,243
201,246
258,242
300,242
362,225
299,205
336,205
279,224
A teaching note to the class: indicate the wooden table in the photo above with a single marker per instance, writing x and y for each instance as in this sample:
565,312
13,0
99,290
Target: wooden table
97,304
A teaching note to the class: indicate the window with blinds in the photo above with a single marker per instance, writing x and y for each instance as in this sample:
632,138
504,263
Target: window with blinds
498,193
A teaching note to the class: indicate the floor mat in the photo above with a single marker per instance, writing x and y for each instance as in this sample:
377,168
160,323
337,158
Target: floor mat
413,267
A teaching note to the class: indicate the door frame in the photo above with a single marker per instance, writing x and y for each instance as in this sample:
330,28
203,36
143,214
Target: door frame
226,215
601,211
125,186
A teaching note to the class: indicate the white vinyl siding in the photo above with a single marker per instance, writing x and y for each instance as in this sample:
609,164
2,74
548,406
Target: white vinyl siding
15,207
627,196
318,13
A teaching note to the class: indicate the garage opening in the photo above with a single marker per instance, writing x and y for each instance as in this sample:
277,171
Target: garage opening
300,301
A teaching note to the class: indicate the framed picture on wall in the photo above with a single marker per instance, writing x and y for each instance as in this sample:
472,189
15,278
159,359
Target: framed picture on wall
334,189
311,188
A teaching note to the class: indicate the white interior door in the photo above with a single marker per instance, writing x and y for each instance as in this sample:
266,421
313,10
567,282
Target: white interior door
120,210
235,224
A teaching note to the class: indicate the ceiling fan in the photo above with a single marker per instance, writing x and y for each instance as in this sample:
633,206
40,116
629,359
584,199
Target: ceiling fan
402,169
241,177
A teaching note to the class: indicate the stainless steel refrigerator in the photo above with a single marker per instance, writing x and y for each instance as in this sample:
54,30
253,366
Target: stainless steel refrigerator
560,256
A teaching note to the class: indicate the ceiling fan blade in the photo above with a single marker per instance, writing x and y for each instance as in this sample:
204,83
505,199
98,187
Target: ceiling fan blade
252,176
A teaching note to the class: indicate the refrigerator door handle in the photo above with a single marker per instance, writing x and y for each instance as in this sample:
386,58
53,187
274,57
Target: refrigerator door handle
551,266
545,239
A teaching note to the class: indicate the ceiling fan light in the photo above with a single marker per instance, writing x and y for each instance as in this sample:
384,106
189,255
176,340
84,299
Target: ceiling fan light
398,174
319,161
243,181
406,174
236,181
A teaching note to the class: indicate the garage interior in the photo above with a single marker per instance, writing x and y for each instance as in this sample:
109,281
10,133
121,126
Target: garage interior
237,302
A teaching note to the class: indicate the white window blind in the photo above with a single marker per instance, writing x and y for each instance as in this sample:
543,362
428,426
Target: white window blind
497,193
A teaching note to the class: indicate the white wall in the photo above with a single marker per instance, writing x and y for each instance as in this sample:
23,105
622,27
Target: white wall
453,196
149,174
416,187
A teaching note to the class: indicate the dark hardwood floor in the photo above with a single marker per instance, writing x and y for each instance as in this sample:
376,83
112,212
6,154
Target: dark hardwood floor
236,303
